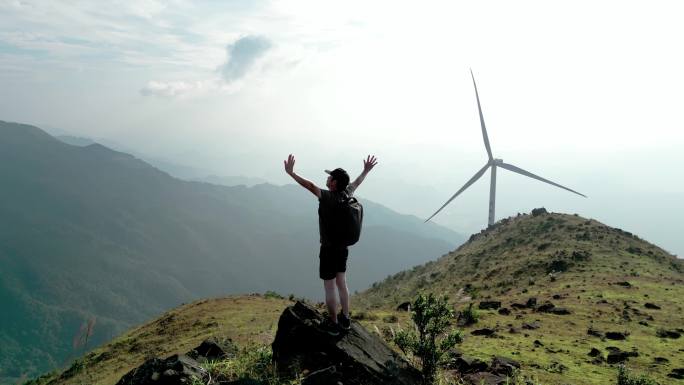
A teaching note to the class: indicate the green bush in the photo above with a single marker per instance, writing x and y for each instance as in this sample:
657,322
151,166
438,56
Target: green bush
624,378
273,294
428,342
468,316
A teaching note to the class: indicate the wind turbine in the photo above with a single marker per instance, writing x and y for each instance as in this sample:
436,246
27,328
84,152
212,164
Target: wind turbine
494,163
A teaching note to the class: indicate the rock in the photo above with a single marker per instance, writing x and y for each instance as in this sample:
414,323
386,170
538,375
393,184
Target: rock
558,266
649,305
531,325
660,361
504,366
662,333
617,335
504,311
677,373
213,349
357,356
483,332
623,284
489,305
559,311
594,352
405,306
531,303
174,370
546,307
617,356
484,378
466,364
539,211
537,344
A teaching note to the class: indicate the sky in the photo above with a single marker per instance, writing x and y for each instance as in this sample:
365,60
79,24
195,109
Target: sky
587,94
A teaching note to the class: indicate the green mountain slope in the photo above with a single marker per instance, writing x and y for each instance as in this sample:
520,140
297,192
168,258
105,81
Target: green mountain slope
607,279
90,232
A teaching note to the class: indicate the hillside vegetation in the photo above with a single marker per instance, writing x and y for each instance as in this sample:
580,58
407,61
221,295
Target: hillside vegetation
249,321
603,283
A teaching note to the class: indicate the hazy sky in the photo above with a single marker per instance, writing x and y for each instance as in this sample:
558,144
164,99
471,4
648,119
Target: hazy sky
585,93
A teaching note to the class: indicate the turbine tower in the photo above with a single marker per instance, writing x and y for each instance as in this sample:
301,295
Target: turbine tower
494,164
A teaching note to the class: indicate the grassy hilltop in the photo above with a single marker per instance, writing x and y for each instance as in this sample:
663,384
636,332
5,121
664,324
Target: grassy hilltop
602,276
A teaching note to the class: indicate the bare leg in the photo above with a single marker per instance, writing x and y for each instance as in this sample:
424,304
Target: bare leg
330,300
341,282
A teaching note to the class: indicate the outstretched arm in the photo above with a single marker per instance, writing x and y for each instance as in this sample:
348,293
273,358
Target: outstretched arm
368,165
307,184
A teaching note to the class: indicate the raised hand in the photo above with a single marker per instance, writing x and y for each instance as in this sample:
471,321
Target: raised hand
289,164
369,163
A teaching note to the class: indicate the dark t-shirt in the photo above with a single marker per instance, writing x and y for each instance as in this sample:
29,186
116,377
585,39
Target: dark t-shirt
327,204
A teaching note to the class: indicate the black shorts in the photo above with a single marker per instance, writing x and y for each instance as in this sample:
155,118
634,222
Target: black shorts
332,260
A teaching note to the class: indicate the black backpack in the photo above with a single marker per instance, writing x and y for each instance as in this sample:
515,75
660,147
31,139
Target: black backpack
349,219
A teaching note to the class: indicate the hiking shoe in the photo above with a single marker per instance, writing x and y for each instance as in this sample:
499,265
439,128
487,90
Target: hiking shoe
330,327
343,321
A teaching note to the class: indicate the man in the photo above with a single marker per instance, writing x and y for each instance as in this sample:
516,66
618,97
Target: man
332,257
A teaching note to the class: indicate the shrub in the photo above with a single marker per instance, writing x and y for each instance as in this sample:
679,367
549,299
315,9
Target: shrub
624,378
468,316
428,342
273,294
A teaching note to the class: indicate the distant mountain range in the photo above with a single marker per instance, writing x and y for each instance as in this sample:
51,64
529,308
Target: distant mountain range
86,232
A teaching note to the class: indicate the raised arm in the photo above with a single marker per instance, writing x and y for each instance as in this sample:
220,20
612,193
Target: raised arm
368,165
307,184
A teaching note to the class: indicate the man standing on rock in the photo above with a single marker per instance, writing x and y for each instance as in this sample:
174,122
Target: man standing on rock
332,257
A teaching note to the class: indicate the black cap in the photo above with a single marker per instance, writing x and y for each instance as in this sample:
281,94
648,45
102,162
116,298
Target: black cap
340,176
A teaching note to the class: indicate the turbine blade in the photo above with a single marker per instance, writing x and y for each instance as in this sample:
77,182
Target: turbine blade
465,186
482,123
519,170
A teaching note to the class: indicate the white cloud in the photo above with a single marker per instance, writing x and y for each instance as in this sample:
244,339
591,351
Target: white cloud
172,89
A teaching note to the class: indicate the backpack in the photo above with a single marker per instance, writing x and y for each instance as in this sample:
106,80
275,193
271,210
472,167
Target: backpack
350,218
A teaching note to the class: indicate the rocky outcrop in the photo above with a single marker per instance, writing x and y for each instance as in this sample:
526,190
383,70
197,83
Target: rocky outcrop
180,369
473,371
489,305
174,370
214,349
616,356
357,356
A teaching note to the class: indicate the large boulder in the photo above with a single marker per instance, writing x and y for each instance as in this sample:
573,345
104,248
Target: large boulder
357,356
